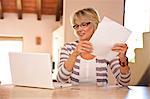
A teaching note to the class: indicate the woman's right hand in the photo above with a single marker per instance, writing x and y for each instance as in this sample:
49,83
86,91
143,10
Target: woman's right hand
84,47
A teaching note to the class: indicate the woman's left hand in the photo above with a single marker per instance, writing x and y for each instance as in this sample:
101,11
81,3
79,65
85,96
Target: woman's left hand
121,48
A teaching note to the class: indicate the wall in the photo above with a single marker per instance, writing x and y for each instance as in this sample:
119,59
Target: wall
58,42
29,28
110,8
142,60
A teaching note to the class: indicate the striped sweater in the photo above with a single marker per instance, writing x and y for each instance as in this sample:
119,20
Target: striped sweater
101,69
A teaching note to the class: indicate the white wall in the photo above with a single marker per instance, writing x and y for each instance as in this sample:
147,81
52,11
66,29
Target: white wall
28,28
58,42
110,8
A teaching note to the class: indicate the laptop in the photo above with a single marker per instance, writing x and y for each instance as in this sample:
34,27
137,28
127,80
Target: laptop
33,70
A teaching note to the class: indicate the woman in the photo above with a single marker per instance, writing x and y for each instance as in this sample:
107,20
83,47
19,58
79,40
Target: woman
78,65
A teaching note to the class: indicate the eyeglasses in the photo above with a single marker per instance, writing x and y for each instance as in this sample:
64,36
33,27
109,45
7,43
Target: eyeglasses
82,25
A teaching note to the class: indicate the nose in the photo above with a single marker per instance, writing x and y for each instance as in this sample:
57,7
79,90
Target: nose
79,29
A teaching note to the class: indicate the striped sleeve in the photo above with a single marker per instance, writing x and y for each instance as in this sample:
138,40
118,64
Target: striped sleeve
63,74
123,79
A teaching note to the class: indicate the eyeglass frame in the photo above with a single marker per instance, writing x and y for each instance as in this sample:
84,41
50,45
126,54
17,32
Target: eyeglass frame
82,25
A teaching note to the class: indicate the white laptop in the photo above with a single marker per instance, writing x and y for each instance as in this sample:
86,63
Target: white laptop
32,70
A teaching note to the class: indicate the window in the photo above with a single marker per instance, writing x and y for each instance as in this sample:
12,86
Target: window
137,19
7,44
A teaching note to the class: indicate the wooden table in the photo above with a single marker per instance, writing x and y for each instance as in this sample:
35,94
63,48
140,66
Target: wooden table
75,92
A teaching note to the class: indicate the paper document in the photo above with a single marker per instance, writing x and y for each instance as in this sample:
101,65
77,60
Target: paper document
107,34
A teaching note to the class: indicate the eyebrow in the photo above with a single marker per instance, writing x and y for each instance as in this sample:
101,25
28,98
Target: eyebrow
81,23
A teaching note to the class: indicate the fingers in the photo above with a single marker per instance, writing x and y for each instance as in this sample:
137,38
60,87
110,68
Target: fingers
124,45
117,49
84,47
120,47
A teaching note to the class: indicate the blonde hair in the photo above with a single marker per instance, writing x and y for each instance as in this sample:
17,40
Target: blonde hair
88,13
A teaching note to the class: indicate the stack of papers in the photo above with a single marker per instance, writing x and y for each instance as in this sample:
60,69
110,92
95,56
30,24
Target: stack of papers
107,34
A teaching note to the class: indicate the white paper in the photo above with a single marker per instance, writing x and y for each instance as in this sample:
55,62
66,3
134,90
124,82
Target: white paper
107,34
